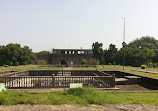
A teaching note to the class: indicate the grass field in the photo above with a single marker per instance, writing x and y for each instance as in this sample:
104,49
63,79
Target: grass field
143,74
99,67
27,67
78,96
120,68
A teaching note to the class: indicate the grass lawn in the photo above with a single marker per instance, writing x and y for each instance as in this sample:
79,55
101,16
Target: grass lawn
143,74
155,69
120,68
27,67
78,96
99,67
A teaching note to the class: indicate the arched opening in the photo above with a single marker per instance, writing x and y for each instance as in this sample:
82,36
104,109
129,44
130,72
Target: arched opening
63,62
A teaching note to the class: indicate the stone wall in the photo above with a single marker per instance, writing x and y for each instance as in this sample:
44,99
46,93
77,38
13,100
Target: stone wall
75,58
42,72
43,57
82,73
143,80
67,55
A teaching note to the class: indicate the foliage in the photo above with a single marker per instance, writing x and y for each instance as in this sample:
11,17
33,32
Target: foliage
155,64
59,65
84,65
14,54
16,63
110,55
135,56
6,65
98,51
137,52
143,66
43,52
147,42
80,96
94,62
84,61
41,62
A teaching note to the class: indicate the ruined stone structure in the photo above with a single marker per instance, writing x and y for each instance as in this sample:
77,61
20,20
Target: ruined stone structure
67,56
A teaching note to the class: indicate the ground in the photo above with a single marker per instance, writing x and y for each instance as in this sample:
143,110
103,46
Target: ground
99,67
66,107
125,88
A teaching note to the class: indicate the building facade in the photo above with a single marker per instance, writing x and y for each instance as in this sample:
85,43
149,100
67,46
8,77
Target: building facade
67,56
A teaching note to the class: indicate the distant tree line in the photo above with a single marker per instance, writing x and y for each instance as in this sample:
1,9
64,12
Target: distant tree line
14,55
43,52
138,52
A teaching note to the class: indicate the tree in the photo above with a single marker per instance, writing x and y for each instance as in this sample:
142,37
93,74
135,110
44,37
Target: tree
110,54
147,55
43,52
147,42
135,56
98,51
14,54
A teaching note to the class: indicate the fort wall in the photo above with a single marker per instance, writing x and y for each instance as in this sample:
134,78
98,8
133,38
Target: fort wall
67,56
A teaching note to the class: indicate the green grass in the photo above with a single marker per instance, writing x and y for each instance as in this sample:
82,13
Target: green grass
155,69
143,74
27,67
120,68
79,96
99,67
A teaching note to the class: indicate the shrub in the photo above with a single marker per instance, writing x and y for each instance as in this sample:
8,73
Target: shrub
94,62
84,65
143,66
42,62
155,64
109,63
151,65
6,65
11,63
16,63
114,63
84,61
59,65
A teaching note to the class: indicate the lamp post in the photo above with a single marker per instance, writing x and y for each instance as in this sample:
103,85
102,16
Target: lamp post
123,44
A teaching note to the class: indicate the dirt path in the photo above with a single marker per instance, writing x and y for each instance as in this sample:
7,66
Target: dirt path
109,107
133,87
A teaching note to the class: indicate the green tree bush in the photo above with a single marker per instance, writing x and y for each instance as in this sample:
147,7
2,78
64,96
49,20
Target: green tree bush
138,52
94,62
98,51
110,55
14,54
42,63
84,61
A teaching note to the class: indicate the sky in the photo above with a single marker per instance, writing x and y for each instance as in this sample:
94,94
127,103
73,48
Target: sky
72,24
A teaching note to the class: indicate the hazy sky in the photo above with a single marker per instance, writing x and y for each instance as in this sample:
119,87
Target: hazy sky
47,24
